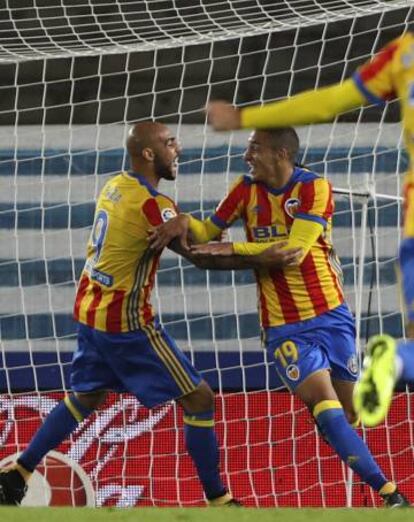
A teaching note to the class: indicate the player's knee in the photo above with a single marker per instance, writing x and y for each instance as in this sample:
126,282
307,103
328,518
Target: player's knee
409,330
200,400
91,400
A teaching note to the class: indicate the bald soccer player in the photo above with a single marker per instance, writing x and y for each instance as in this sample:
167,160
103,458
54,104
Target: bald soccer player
120,344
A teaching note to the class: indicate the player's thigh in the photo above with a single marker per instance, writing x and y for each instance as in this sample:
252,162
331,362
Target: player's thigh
339,344
90,372
296,358
151,366
338,341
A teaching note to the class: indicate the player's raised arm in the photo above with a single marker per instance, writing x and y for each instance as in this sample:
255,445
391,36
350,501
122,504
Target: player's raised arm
316,106
371,83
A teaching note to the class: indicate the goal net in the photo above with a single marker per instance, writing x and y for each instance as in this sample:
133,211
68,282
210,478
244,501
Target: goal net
74,74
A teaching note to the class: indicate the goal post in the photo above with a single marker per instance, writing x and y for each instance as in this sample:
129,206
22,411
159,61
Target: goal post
74,76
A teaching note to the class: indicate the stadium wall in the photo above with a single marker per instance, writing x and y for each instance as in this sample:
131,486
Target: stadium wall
50,179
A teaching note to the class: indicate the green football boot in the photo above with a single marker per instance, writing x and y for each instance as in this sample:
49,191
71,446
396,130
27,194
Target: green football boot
373,393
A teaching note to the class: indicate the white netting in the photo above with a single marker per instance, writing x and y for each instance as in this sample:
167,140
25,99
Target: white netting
33,29
64,122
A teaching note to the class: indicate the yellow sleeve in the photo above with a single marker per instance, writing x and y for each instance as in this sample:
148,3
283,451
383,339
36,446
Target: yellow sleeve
250,248
203,231
308,107
304,234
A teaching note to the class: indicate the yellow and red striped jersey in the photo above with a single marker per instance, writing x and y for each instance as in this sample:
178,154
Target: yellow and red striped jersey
116,283
299,292
390,75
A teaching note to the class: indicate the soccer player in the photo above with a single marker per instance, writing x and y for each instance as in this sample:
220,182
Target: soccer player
307,327
389,75
121,346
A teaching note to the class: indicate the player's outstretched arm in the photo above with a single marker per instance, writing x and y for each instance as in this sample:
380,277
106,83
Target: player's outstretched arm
315,106
241,255
209,261
222,256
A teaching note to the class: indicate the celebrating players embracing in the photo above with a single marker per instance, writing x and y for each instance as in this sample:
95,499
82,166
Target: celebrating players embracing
121,346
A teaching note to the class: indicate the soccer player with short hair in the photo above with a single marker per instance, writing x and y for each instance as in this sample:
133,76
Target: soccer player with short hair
388,76
121,345
307,327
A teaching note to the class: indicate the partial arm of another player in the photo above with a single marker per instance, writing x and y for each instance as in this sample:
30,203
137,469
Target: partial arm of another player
220,256
315,106
303,234
373,82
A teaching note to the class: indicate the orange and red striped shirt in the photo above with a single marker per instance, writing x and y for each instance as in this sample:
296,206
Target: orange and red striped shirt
116,283
299,292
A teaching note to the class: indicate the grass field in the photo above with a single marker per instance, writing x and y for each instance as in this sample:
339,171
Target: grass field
202,515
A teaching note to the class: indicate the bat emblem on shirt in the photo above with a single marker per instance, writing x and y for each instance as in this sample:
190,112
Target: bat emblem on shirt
291,206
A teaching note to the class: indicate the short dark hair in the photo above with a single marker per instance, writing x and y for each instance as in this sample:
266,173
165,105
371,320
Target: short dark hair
286,138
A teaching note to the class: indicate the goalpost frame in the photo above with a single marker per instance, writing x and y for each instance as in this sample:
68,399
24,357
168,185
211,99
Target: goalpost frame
265,435
364,195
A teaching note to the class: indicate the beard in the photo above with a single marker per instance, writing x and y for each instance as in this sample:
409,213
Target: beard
163,170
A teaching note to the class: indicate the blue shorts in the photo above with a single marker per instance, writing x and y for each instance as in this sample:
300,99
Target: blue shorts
406,258
146,363
324,342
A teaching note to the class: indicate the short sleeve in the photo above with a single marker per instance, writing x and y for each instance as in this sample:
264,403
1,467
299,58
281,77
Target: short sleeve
159,209
375,78
316,202
233,205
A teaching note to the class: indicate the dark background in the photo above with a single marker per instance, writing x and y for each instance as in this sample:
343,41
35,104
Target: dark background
172,83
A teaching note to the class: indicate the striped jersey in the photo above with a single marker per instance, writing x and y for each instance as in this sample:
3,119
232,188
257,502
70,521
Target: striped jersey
391,75
115,286
299,292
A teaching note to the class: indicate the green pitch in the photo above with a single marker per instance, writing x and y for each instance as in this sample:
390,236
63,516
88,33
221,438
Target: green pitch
202,515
